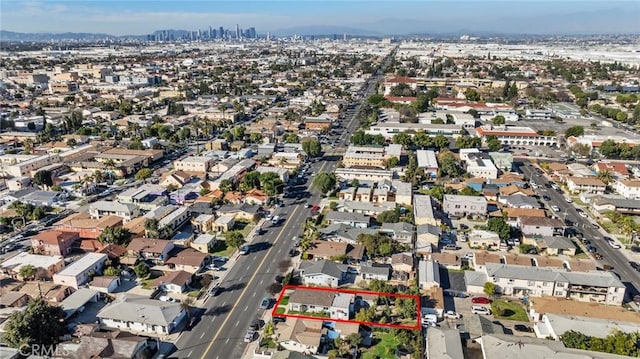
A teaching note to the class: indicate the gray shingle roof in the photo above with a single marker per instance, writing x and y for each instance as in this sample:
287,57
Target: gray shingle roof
323,267
141,310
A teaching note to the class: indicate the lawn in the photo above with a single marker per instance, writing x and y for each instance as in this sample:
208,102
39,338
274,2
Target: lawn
281,310
309,314
244,227
285,300
221,249
386,348
512,311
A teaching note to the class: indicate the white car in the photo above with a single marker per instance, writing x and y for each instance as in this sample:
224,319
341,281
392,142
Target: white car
452,315
476,309
614,245
582,214
555,208
569,200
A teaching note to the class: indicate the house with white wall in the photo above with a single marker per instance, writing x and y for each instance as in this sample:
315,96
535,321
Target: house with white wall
137,314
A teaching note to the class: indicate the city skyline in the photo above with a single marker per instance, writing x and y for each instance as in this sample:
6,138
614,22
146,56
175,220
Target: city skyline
315,17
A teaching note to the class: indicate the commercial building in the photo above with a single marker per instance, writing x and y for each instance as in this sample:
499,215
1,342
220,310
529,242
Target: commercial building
371,157
516,136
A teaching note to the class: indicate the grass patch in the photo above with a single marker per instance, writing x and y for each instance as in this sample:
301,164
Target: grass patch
581,255
193,293
310,314
281,310
385,348
285,300
221,249
509,311
268,343
244,227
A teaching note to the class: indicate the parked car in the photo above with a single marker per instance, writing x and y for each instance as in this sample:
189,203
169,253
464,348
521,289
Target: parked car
277,320
165,298
248,338
635,265
568,199
555,208
192,322
255,324
480,300
266,303
450,314
522,328
476,309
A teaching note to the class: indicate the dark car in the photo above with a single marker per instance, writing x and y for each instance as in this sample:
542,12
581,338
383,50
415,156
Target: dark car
635,265
277,320
216,291
522,328
546,198
255,324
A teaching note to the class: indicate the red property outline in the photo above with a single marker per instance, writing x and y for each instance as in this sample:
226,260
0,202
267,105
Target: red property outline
379,294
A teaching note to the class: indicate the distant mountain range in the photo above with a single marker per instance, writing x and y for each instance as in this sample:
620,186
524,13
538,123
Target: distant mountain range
48,36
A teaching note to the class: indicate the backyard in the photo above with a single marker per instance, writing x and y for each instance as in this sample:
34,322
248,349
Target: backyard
509,310
385,348
221,249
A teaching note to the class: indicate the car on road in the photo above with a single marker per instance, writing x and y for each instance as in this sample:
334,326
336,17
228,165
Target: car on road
266,303
614,245
635,265
555,208
450,314
592,249
546,198
522,328
480,300
216,290
165,298
248,338
293,252
476,309
598,256
568,199
582,214
595,226
255,324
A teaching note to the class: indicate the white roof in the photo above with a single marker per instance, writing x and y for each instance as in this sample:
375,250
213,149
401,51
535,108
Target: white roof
427,158
79,266
22,259
205,238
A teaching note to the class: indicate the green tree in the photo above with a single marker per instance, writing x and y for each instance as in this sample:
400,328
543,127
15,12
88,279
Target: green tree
234,239
575,131
489,289
143,174
390,216
498,120
449,166
441,142
472,95
251,180
43,178
402,138
40,323
609,149
226,186
499,226
152,227
493,143
111,272
325,182
27,272
606,177
468,191
115,235
311,147
141,270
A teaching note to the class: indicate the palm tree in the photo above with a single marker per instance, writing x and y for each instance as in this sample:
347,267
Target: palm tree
605,176
151,227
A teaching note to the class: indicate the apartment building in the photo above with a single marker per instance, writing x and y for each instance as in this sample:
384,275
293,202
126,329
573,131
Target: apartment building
126,211
24,168
464,205
427,159
520,281
628,188
516,136
423,210
371,157
586,184
362,174
480,165
49,264
199,164
80,272
388,129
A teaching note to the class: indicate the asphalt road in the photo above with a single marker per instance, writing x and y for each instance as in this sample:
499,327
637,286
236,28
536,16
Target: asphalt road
611,256
226,318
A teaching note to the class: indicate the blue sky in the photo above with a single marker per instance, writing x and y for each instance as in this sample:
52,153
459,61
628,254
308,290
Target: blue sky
384,17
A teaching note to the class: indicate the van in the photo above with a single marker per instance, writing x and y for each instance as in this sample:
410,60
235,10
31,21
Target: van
275,220
476,309
429,320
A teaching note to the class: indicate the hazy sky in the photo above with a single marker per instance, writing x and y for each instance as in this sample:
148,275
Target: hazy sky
384,17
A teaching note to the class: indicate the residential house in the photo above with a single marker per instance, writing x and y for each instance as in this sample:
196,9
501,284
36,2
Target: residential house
603,205
200,164
443,344
518,281
458,205
336,305
378,272
141,314
81,271
112,344
402,232
402,262
628,188
484,239
300,335
427,236
331,250
537,226
480,165
53,243
519,201
105,284
176,179
223,224
428,274
154,250
427,160
343,233
352,219
423,211
174,281
76,302
554,246
126,211
204,243
85,226
46,266
188,260
512,214
203,223
14,300
619,170
586,184
241,211
255,196
323,273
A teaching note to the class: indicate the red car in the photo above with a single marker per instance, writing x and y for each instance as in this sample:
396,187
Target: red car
480,300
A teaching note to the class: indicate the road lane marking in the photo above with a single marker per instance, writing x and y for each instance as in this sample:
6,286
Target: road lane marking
191,352
227,341
235,305
247,307
238,322
262,281
202,335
